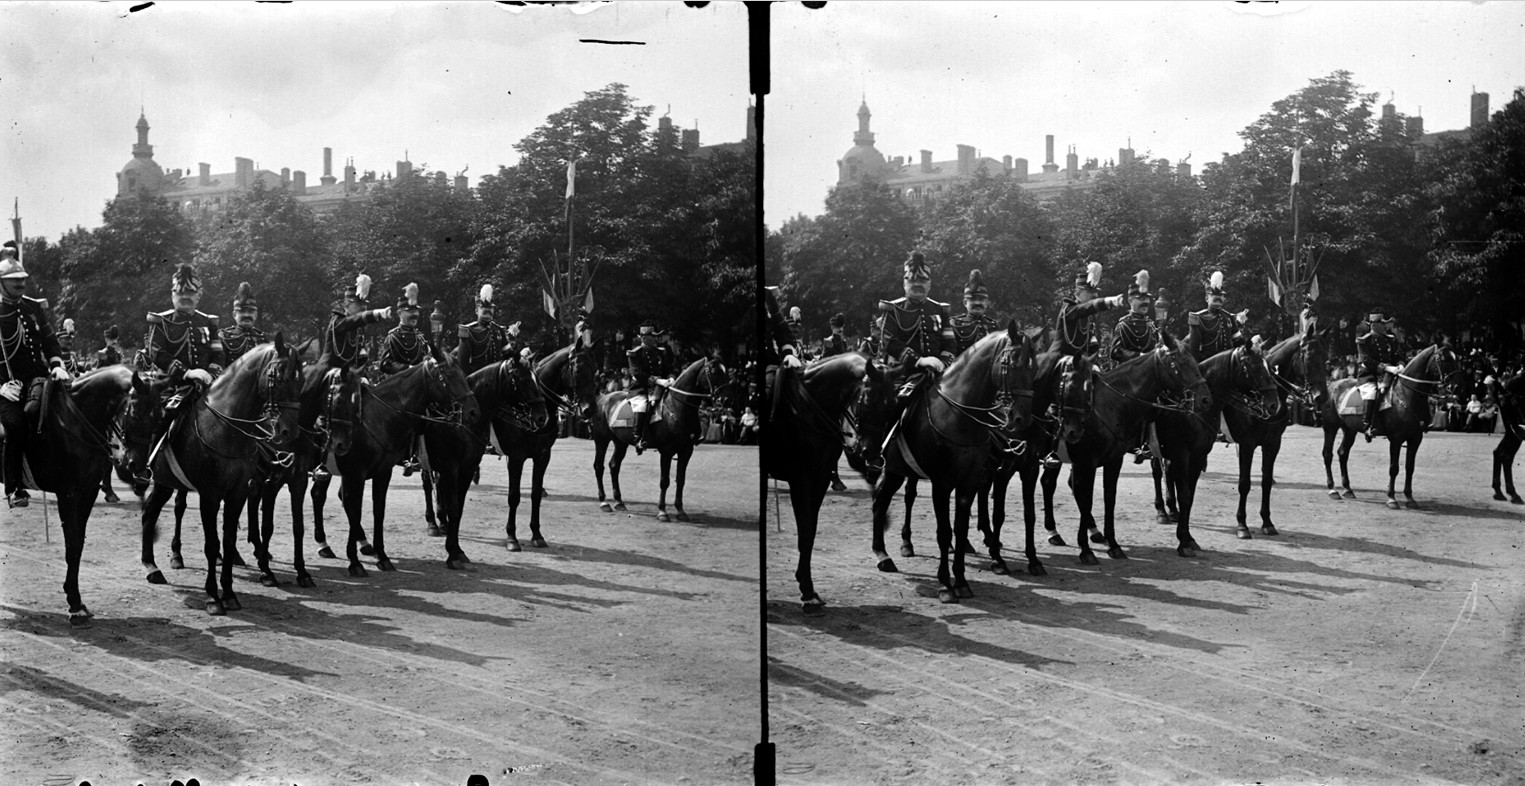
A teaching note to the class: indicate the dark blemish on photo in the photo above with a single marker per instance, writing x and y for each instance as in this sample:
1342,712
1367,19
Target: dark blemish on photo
603,41
139,7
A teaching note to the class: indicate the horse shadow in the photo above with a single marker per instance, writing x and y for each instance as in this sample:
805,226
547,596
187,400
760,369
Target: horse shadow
783,675
1345,545
903,627
1437,508
35,682
586,554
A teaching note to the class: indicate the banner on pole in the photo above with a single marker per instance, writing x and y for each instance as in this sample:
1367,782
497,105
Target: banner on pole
587,301
571,177
1273,291
549,303
1297,163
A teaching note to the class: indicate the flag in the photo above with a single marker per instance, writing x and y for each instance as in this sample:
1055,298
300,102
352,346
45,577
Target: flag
1297,163
571,177
587,302
549,303
16,225
1273,291
1313,289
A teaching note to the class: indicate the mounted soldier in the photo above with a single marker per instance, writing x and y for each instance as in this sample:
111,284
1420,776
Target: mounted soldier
1074,332
66,343
797,329
836,343
1379,361
651,366
918,335
1213,329
31,355
973,324
484,342
404,347
345,337
1137,334
111,354
242,335
871,345
183,339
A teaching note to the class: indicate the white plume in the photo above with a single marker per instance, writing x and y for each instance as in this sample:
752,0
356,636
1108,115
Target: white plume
1141,280
1093,275
411,293
485,295
1216,279
363,286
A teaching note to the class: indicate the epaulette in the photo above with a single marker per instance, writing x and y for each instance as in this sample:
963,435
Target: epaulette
891,305
157,317
41,302
1194,318
464,331
212,317
1363,338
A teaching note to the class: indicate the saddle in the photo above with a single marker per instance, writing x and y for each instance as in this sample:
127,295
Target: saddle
622,416
1351,403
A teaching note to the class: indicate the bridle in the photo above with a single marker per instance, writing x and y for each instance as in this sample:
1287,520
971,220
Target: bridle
1186,405
434,376
519,412
995,419
1252,401
1301,363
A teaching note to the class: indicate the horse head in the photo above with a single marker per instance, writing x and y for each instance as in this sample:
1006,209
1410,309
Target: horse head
1250,378
139,418
341,406
1310,367
582,375
1180,376
282,392
448,387
1445,367
1076,390
521,395
1014,392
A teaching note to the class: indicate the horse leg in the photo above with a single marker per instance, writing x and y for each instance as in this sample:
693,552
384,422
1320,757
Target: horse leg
614,473
665,479
175,560
1503,463
297,484
379,516
153,504
1157,470
211,548
1050,481
431,520
1030,520
539,464
806,495
351,490
905,529
1246,460
996,494
106,489
1172,495
1191,473
319,493
232,507
884,492
262,519
1394,450
1329,433
963,499
1082,484
946,592
685,452
1109,473
515,476
1268,453
1348,439
452,505
599,446
1408,471
74,513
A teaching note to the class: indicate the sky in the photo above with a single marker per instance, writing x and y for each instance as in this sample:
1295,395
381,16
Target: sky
449,86
1177,79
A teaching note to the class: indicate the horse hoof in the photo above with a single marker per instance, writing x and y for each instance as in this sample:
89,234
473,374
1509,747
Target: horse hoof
113,499
1097,537
1268,529
358,571
176,562
1334,494
538,542
305,580
268,580
435,531
605,507
1243,533
1162,520
998,566
1088,558
887,565
513,545
157,578
1185,550
813,606
1516,499
1499,495
906,550
450,564
1116,552
1055,540
1036,568
326,552
460,556
1392,504
367,549
663,516
964,591
80,619
215,608
1411,505
385,565
231,603
682,516
1348,494
946,595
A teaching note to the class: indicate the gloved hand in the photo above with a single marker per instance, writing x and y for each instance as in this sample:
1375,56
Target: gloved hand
60,373
199,375
666,383
513,330
391,313
936,364
790,361
1242,316
11,390
1394,370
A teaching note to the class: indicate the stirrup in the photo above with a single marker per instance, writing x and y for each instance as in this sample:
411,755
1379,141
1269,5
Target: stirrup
409,466
1141,455
319,472
1051,461
20,499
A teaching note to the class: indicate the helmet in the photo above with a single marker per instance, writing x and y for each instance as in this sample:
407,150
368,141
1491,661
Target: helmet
361,291
185,280
1140,286
916,266
976,285
244,300
409,299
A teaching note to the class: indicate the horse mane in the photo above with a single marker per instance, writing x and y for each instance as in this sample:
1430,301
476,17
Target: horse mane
1282,351
969,356
827,370
118,376
1420,360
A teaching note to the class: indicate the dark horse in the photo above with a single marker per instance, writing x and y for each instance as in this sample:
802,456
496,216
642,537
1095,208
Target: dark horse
389,413
1125,397
216,448
672,432
802,441
73,452
946,436
1511,404
1245,394
1401,418
567,378
505,392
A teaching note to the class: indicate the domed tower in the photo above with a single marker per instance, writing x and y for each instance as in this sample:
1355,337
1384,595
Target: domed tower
141,173
863,160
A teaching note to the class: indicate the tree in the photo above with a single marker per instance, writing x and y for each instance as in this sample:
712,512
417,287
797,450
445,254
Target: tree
720,238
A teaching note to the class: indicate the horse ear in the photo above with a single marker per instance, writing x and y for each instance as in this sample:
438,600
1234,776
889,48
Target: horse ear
280,343
139,385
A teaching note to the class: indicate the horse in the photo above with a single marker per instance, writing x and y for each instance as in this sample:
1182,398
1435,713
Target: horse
77,443
1402,414
803,439
389,412
506,393
672,431
946,434
1125,396
1244,393
215,448
1511,405
567,378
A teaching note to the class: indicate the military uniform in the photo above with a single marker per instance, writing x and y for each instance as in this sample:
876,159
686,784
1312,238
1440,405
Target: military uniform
781,339
237,339
1075,331
66,349
405,346
1210,331
109,355
1134,335
31,349
482,343
1374,353
916,329
187,341
647,364
968,329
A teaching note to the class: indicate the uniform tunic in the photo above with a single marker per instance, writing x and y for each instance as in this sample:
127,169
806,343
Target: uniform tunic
833,345
1134,336
190,341
405,346
344,335
483,343
1210,331
780,334
968,329
916,329
27,340
648,364
1374,353
1073,323
236,340
71,363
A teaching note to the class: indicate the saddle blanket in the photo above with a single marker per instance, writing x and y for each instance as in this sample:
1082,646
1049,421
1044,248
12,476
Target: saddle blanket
622,417
1351,403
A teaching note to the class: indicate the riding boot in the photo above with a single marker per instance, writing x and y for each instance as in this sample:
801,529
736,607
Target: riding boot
1142,453
15,495
320,470
1369,419
641,418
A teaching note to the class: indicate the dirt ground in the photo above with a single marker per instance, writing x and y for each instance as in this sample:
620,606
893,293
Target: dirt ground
626,652
1360,646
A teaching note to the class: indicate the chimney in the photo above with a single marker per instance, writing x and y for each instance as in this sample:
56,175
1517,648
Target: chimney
1389,111
205,179
965,160
664,125
460,183
1479,110
243,171
1019,169
751,123
439,178
1183,170
299,183
1414,127
285,176
690,140
404,168
349,178
1005,163
1124,156
1049,167
1072,164
926,162
328,167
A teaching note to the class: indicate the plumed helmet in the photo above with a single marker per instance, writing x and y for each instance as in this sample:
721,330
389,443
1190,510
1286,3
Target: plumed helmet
1089,276
1215,283
112,333
361,291
244,300
67,328
1378,313
916,266
10,262
1140,286
409,299
976,285
794,314
484,296
648,327
185,280
837,320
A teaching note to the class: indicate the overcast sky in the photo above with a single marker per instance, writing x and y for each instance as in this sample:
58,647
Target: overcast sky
1178,78
451,85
